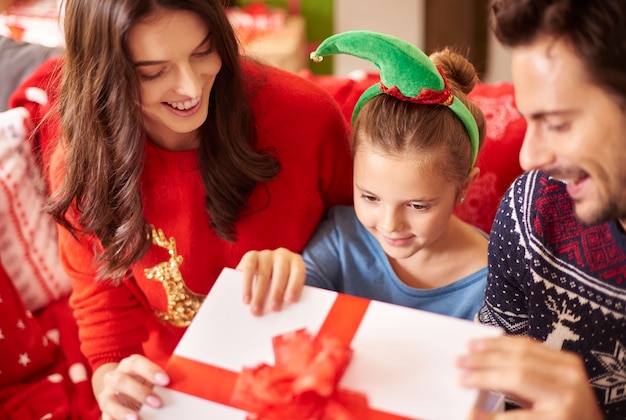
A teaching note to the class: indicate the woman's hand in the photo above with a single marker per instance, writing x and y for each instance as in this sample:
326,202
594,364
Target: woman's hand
545,382
122,388
275,275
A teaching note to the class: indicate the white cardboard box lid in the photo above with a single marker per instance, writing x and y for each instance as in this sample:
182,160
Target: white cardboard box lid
404,359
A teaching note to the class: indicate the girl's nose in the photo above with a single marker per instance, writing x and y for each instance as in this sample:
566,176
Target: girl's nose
391,220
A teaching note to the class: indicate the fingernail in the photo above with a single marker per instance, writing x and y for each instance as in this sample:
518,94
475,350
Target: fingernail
465,379
162,379
475,344
131,416
256,309
246,299
153,401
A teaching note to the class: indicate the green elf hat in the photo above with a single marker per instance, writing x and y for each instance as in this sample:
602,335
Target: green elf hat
406,73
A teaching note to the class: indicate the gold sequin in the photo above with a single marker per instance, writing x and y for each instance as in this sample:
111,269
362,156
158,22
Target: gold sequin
448,100
182,303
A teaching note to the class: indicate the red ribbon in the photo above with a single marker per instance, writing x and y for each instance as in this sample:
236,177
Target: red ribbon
302,384
341,324
425,96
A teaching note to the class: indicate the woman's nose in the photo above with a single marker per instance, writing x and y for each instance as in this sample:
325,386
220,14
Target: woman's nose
188,82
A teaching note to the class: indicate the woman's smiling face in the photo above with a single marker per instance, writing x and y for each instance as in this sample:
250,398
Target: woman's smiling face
176,64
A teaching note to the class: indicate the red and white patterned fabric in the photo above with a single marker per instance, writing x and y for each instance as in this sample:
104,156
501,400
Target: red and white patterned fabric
28,235
43,375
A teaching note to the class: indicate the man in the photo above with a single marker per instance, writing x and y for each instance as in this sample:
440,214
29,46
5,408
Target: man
557,253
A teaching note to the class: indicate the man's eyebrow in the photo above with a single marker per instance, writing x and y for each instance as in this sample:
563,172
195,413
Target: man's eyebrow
543,114
157,62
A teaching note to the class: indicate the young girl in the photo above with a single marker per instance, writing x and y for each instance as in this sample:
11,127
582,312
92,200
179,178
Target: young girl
177,157
413,146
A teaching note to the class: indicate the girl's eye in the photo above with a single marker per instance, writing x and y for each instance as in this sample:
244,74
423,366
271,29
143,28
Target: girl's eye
369,198
417,206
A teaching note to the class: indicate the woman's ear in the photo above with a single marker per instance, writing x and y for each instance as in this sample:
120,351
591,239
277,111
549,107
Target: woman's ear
467,183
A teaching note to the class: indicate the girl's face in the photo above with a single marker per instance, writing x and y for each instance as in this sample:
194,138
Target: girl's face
406,205
176,64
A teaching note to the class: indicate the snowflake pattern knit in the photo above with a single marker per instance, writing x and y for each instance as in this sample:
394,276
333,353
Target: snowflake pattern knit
561,282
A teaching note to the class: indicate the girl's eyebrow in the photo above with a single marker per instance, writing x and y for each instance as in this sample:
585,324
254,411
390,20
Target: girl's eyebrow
157,62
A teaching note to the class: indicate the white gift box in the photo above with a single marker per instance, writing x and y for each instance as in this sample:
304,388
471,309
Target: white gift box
404,360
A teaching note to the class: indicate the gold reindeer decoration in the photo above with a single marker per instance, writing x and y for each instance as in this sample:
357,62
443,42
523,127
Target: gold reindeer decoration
182,303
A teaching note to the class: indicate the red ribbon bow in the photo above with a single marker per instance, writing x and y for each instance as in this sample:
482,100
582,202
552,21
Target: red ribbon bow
302,384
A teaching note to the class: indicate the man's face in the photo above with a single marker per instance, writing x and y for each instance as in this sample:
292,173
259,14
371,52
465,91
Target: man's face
576,129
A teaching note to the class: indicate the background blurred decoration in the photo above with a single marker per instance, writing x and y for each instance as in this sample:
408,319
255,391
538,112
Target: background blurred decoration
270,34
255,19
318,18
35,21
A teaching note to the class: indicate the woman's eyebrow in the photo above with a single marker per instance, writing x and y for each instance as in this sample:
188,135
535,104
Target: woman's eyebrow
157,62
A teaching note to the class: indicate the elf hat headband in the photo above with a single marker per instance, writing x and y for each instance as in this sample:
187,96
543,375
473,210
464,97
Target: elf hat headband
406,73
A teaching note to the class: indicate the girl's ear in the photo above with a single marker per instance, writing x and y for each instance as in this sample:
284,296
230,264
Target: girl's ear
467,183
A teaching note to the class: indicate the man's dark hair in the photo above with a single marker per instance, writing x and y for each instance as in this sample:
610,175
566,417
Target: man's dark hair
596,30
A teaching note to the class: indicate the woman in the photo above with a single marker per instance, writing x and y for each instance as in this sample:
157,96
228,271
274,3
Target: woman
177,157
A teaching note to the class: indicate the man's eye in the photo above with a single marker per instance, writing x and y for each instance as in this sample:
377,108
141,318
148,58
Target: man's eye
556,126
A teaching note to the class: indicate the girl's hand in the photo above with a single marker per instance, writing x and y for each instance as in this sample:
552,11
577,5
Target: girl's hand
122,388
276,276
545,382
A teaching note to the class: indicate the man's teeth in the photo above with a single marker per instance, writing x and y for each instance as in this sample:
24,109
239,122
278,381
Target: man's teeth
573,181
184,105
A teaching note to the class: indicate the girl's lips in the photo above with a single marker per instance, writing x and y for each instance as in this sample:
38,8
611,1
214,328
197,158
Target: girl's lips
398,242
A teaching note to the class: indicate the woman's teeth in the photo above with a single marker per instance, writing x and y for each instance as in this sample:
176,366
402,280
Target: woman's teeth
182,106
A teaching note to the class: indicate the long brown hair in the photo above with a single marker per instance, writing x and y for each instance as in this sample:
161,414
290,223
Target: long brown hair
403,128
103,137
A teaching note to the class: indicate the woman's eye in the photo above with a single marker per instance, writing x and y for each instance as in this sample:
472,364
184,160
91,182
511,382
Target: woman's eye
155,74
207,52
210,50
149,77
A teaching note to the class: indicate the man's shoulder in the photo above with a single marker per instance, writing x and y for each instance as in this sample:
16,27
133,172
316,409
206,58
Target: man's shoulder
538,191
542,206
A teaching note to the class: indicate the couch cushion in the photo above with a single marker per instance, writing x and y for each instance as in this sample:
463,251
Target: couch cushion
25,348
28,235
